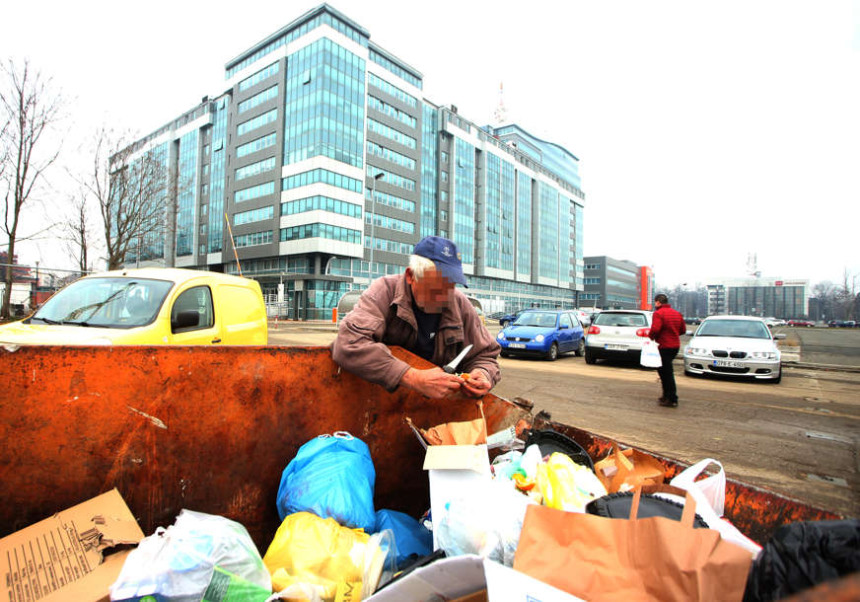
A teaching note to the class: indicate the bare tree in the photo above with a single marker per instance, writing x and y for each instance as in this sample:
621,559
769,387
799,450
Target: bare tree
77,231
131,185
29,108
846,295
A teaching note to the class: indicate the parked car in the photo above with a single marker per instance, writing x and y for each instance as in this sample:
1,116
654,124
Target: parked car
617,334
734,346
508,319
583,316
542,332
148,306
774,322
693,321
801,323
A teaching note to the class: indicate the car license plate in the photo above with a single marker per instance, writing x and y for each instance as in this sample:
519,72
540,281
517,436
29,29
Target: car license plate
517,345
728,364
609,347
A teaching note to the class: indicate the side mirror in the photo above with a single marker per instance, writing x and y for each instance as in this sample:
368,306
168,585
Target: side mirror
186,318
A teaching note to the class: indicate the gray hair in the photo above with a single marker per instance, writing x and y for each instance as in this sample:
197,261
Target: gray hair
418,264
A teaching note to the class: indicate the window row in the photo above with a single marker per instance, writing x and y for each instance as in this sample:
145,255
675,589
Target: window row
255,145
390,155
322,203
395,69
259,76
254,192
382,221
255,168
391,89
254,215
391,200
391,178
393,112
254,239
321,231
257,122
391,133
325,176
257,99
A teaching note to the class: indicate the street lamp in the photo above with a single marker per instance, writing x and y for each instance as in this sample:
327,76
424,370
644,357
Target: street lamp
373,182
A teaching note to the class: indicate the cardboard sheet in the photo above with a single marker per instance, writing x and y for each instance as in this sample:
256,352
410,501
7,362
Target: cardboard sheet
60,558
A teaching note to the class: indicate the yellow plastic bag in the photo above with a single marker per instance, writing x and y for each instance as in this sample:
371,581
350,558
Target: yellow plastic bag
566,485
318,554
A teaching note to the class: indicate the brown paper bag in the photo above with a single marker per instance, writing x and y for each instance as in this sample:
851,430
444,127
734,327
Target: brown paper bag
625,470
598,558
471,432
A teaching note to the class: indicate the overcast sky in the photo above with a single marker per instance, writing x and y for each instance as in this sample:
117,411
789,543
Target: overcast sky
706,132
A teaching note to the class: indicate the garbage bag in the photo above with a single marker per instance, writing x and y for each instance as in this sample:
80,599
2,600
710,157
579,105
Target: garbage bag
411,538
200,557
309,553
566,485
333,477
803,554
487,523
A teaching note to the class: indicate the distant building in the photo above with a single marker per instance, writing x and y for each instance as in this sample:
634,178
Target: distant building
614,283
330,164
763,297
646,288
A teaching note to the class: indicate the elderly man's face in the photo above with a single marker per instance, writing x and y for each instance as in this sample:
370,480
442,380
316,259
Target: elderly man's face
432,292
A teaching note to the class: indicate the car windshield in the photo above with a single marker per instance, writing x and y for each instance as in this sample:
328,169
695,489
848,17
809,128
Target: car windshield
105,302
536,318
620,319
745,329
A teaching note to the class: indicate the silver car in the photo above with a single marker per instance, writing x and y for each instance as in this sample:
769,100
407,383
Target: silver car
734,346
617,334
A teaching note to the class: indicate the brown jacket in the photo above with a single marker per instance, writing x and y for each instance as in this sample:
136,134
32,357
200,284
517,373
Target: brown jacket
383,316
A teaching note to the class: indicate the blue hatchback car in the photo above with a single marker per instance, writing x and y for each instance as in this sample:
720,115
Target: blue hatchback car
543,332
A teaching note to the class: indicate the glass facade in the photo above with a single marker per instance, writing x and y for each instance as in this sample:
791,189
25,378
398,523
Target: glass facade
524,224
217,175
464,200
547,235
324,110
429,148
186,196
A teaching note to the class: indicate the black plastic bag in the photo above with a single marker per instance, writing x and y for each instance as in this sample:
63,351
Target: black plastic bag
801,555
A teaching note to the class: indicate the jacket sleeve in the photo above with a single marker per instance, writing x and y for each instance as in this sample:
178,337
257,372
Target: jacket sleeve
358,347
485,352
656,326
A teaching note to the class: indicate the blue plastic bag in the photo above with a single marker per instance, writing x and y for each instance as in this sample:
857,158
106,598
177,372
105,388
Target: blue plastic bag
411,538
333,477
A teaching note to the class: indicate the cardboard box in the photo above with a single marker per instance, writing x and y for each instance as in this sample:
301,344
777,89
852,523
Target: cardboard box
60,558
469,578
455,471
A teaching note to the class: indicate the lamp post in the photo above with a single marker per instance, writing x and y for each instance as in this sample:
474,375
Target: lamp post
373,182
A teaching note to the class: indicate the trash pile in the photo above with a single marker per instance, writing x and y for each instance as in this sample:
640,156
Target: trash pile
511,515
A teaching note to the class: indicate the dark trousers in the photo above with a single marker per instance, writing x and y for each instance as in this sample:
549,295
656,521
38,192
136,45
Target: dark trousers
667,374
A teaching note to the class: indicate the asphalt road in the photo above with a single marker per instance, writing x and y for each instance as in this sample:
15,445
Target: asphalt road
799,438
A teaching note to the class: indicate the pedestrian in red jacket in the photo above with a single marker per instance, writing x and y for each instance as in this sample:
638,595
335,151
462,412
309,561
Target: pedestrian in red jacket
666,327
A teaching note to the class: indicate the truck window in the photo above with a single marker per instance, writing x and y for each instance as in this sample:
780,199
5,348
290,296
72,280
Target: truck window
199,299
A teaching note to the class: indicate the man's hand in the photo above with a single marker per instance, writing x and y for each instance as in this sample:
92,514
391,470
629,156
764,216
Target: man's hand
435,382
476,384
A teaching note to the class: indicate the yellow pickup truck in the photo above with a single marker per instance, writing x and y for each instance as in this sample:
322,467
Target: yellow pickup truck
148,306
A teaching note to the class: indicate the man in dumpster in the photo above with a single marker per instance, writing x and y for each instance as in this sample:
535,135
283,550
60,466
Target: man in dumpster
421,311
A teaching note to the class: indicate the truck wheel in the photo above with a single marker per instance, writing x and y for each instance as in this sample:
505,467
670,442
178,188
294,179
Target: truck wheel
589,357
552,354
580,348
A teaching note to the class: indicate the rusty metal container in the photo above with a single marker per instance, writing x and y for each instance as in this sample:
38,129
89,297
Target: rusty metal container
211,429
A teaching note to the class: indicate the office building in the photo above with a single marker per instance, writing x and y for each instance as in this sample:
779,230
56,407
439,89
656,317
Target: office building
330,165
615,283
763,297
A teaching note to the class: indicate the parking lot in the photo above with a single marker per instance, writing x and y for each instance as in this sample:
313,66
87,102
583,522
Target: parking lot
799,438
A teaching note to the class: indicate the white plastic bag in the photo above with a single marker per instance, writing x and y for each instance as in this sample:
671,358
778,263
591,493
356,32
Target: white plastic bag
488,523
702,492
650,355
712,487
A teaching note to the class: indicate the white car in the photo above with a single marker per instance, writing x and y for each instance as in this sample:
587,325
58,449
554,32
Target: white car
617,334
734,346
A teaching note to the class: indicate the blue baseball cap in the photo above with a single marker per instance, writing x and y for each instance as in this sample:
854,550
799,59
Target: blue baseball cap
445,255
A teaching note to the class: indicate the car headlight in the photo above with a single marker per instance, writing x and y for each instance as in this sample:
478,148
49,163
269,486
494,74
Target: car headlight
696,351
539,338
501,336
763,355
